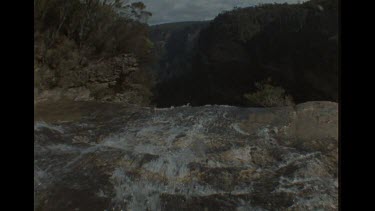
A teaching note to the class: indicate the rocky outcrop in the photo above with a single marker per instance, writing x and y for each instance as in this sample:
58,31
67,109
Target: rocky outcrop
107,80
109,157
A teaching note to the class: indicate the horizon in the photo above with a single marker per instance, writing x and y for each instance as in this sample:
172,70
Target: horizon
167,11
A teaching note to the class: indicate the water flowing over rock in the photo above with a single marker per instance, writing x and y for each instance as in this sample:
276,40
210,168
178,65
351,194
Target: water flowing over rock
112,157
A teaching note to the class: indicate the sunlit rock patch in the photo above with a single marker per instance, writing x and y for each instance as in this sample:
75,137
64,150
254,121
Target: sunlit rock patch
189,158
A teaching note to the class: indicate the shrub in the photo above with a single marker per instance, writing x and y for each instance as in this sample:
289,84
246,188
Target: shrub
268,95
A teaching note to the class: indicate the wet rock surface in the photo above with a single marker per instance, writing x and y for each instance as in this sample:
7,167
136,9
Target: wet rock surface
111,157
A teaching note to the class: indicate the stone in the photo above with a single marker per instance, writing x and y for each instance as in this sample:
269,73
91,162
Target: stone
83,83
80,140
187,158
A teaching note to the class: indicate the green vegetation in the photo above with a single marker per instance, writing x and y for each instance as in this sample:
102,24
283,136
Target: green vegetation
97,28
74,39
268,95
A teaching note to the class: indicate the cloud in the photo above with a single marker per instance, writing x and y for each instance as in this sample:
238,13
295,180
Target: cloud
165,11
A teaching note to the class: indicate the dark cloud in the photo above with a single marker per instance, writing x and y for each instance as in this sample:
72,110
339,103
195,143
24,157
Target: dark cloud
165,11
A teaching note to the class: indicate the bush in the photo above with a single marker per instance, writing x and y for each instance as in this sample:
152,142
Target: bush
94,24
76,39
268,96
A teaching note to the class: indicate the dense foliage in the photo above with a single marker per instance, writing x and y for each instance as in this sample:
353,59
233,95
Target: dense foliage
93,25
71,35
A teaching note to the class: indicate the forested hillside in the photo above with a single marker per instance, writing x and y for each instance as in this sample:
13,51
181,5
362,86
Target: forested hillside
290,51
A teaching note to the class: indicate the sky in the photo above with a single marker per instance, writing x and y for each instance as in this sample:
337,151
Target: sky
165,11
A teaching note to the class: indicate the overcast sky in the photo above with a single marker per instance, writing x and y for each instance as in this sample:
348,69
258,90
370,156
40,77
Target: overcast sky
165,11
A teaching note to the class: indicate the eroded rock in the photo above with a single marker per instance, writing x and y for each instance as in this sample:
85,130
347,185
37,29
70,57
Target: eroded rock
188,158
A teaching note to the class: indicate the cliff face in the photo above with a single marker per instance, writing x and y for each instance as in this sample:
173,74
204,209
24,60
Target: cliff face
94,156
174,47
294,45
